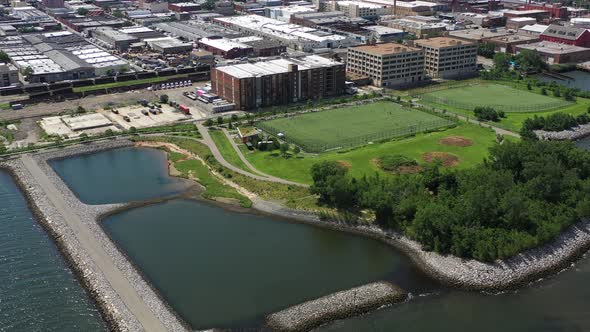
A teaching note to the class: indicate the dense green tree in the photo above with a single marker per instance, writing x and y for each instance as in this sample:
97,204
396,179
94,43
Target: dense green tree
502,61
522,196
486,49
529,61
4,58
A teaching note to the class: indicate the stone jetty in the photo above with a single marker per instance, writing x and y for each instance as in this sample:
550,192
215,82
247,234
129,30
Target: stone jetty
127,301
355,301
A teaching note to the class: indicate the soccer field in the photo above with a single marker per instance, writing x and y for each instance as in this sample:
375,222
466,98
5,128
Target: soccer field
352,126
500,97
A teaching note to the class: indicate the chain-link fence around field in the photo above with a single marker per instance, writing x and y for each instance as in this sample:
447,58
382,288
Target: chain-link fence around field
498,107
425,94
310,145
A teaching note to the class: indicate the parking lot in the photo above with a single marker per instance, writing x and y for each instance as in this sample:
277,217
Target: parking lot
75,125
140,117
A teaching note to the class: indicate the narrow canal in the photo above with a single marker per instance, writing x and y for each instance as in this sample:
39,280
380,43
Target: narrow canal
38,292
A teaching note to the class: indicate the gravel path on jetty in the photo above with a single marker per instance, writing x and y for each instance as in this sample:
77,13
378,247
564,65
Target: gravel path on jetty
355,301
126,299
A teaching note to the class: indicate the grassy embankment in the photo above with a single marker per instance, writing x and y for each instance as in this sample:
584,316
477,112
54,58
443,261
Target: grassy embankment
227,150
361,161
292,196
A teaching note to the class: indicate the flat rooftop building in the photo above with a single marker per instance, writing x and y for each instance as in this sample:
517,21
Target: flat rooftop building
227,48
114,39
277,82
389,64
292,35
557,53
507,44
479,35
448,57
416,27
168,45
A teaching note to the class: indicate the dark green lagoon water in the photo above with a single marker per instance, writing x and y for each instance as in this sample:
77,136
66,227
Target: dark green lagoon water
572,79
38,292
117,176
224,269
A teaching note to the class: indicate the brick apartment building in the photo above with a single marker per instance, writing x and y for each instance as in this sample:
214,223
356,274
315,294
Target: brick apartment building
448,57
388,64
282,81
555,10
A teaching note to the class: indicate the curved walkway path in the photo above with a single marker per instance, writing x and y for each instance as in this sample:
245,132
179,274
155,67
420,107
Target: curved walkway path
241,155
95,250
207,140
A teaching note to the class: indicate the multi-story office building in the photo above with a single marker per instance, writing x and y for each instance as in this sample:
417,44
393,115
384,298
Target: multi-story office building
389,64
446,57
8,75
276,82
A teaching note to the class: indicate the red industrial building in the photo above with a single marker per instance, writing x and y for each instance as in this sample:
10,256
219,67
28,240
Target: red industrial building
567,35
226,48
184,7
555,10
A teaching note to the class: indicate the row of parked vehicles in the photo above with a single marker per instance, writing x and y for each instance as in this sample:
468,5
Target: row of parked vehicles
171,85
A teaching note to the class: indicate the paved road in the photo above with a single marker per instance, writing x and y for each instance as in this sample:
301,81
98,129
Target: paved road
207,140
94,248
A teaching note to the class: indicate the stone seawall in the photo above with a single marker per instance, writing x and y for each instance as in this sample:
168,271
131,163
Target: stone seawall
114,311
575,133
355,301
470,274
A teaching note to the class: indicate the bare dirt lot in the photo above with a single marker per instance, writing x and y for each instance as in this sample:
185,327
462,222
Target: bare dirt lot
96,102
456,141
447,159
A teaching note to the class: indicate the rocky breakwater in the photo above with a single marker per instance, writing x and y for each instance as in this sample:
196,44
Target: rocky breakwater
510,273
355,301
575,133
470,274
119,315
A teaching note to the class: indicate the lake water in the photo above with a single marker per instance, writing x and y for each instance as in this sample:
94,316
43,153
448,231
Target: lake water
575,79
119,175
219,268
224,269
38,292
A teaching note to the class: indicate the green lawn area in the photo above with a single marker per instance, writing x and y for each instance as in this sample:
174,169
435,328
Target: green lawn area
227,150
214,188
175,156
513,121
500,97
361,160
352,126
125,83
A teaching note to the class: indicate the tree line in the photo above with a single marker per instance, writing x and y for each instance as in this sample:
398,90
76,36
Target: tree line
553,122
522,196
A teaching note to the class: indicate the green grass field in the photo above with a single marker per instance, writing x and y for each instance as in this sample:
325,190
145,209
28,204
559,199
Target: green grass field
227,150
513,121
500,97
362,160
352,126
